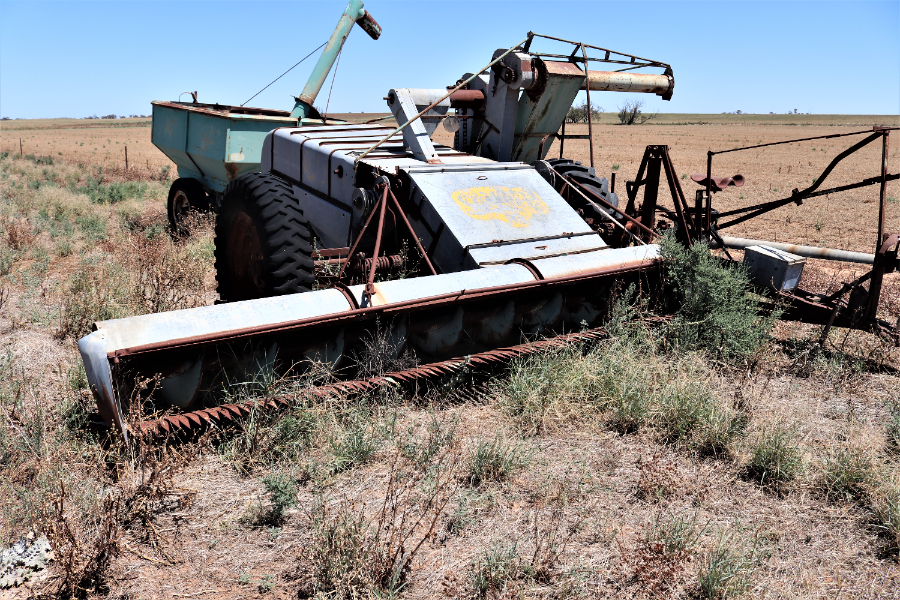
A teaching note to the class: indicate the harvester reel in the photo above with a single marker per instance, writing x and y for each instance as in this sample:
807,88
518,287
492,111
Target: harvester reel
185,195
263,241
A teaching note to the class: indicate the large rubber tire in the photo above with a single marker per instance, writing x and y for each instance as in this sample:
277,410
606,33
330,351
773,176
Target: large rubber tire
263,244
185,195
585,176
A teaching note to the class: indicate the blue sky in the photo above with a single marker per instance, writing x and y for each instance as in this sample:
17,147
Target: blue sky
75,59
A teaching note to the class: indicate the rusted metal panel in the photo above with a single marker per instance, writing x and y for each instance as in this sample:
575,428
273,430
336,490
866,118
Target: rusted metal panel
542,109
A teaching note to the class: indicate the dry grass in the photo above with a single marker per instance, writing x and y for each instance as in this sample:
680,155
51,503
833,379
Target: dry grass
610,471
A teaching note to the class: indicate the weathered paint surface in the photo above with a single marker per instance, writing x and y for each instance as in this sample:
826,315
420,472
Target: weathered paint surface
542,115
513,205
212,146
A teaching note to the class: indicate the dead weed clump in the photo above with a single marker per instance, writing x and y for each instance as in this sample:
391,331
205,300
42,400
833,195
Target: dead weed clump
147,274
19,232
659,478
84,492
504,567
659,559
353,553
165,275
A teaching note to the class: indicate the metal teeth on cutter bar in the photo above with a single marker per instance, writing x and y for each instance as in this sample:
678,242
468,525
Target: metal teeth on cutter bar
219,414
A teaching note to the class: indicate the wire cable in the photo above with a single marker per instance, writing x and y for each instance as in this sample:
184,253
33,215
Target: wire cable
333,77
283,74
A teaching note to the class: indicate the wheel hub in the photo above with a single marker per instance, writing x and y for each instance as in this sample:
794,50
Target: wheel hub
245,258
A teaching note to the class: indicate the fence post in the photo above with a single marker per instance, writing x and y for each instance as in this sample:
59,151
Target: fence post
20,148
126,158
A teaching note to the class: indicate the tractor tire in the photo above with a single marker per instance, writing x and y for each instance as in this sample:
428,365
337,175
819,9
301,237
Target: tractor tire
263,243
185,195
575,172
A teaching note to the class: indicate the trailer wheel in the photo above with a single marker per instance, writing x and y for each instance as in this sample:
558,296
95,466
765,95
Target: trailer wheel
185,195
263,243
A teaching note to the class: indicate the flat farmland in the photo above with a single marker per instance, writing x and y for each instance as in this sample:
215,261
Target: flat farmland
625,468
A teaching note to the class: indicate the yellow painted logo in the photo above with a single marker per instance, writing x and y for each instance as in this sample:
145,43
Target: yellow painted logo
513,205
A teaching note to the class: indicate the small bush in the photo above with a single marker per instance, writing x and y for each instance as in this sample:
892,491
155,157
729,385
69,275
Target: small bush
92,226
281,490
495,460
775,459
715,307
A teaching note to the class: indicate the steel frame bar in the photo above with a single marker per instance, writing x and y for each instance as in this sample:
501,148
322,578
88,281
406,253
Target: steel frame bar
589,108
387,309
885,259
632,57
412,233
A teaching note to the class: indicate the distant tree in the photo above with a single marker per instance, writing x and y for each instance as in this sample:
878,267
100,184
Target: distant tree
630,113
579,114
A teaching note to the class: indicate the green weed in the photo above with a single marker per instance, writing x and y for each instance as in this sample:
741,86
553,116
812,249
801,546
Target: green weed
495,460
775,458
848,473
726,572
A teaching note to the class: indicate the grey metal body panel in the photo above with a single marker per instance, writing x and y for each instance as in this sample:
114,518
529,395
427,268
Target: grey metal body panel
319,162
179,324
490,208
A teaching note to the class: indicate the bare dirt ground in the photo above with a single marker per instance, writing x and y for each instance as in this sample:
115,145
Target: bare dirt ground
578,507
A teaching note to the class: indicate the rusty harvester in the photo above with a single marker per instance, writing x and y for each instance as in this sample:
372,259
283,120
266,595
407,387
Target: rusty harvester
509,244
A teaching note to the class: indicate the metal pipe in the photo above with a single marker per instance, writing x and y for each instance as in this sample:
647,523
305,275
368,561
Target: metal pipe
612,81
807,251
590,116
352,14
